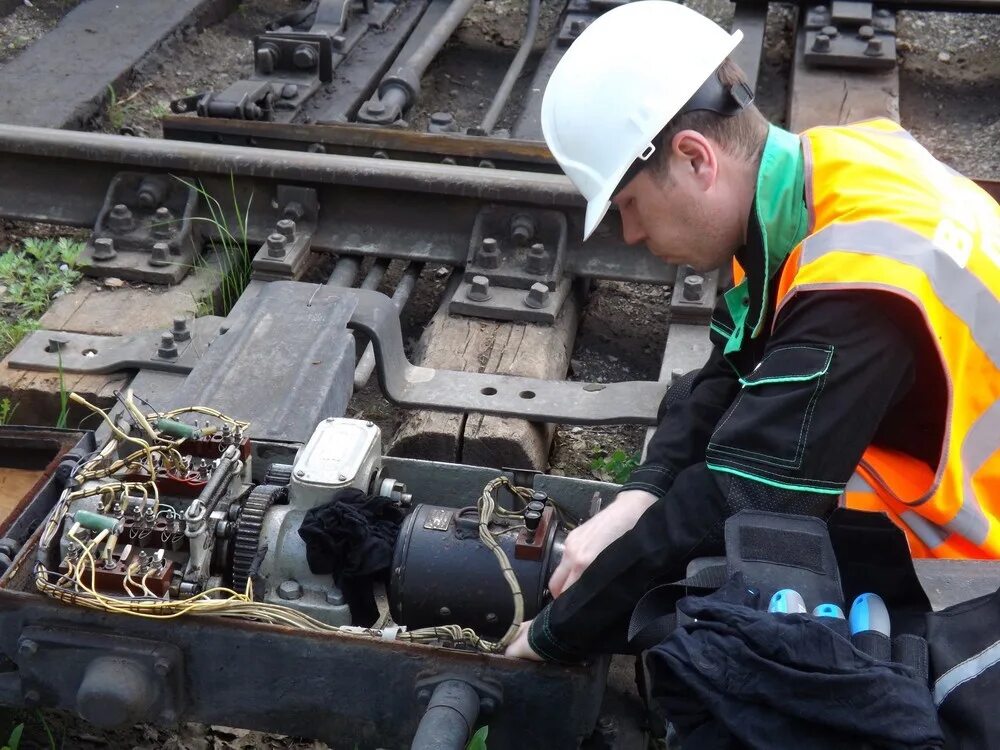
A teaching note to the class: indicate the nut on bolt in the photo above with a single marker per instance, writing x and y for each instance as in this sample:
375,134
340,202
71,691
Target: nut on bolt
276,245
167,348
28,648
866,32
441,122
874,48
286,227
489,254
158,256
267,58
304,57
821,43
538,296
290,589
104,249
522,229
479,290
180,330
120,219
163,222
694,286
537,261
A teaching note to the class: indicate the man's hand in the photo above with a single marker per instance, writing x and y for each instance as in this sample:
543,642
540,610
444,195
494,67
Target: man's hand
519,647
587,541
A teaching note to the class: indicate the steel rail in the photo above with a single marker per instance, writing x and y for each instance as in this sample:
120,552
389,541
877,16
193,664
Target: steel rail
296,167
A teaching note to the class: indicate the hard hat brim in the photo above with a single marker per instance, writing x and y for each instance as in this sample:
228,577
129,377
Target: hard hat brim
596,211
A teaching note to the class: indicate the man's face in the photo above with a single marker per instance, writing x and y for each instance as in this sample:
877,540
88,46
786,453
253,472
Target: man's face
676,215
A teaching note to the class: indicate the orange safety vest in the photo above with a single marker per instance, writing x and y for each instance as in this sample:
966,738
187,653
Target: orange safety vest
885,215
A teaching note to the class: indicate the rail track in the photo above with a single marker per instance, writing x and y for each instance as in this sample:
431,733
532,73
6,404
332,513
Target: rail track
371,146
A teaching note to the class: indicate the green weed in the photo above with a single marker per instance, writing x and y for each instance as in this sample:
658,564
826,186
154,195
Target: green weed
63,397
14,741
28,729
478,741
7,409
231,246
115,110
617,467
33,275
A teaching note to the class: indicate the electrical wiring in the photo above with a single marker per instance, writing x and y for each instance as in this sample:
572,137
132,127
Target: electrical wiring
102,475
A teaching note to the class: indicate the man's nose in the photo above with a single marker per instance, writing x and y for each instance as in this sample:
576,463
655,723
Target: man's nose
632,232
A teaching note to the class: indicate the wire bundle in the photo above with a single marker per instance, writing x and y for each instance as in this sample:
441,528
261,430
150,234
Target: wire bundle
77,584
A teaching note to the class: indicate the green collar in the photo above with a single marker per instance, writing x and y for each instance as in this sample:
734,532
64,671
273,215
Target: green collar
781,218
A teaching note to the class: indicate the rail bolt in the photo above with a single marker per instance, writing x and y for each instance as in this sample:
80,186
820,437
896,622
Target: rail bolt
538,296
693,287
537,261
120,219
305,57
104,249
479,291
489,254
276,245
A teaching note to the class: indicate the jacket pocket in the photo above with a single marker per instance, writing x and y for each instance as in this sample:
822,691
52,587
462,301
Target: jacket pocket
768,423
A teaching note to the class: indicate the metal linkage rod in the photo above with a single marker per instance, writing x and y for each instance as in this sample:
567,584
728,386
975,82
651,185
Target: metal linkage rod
345,272
366,365
401,87
513,72
450,717
374,276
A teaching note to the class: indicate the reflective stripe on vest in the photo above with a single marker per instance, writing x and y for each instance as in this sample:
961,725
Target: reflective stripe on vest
888,217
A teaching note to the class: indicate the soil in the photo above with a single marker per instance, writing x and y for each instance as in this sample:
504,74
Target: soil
949,84
199,62
25,23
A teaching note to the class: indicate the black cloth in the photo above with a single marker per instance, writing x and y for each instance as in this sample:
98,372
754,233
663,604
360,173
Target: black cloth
738,677
965,665
352,537
788,445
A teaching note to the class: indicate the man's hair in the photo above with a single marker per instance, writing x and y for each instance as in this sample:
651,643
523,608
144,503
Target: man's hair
741,136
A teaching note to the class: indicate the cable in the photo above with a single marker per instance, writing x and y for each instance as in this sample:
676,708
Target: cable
75,587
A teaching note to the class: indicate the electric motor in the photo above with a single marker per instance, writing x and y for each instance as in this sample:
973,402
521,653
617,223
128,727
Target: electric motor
442,573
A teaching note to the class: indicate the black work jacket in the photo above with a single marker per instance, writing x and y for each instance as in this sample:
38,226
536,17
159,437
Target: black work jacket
810,433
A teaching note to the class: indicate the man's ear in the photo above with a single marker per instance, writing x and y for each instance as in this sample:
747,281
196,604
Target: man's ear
694,154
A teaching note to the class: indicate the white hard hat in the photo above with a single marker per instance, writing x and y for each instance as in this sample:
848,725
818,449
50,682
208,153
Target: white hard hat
620,82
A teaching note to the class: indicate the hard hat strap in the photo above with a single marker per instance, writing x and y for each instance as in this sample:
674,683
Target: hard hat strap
711,96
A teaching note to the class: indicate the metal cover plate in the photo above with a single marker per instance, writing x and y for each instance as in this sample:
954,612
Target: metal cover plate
438,520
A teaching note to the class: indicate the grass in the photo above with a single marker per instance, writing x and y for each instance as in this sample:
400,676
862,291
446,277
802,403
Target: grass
25,726
236,258
615,467
33,274
7,410
478,741
115,110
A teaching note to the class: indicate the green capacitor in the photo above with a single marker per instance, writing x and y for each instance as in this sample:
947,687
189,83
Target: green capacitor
95,521
177,429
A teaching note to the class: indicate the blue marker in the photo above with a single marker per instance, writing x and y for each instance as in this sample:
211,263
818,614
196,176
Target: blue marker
829,610
787,602
869,613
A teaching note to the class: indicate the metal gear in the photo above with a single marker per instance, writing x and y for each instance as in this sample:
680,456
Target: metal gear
278,474
246,538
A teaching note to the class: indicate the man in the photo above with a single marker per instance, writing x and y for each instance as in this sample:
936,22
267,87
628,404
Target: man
857,359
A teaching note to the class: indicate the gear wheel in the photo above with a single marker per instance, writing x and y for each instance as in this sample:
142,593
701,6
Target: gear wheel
278,474
246,538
